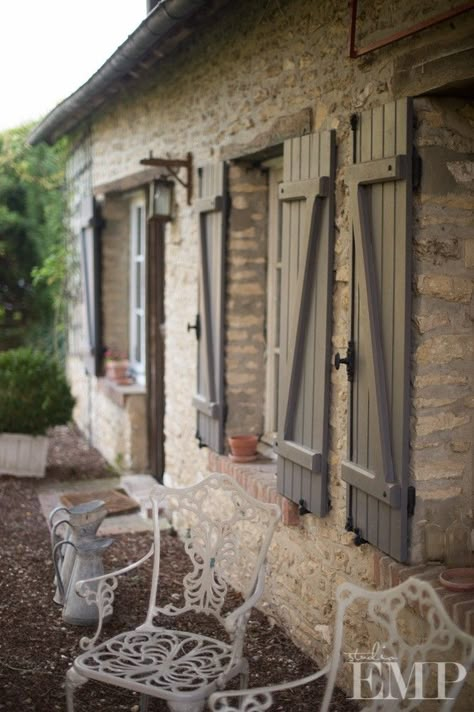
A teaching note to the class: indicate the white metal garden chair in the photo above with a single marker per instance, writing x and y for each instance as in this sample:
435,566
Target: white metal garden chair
227,535
385,614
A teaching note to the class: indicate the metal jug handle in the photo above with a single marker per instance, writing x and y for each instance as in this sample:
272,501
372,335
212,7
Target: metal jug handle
57,547
59,508
54,536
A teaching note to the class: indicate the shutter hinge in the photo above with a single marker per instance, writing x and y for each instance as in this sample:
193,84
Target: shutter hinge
199,439
416,169
411,498
358,539
302,510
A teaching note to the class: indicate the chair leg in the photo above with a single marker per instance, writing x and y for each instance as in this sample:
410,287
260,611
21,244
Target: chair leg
144,703
73,680
244,683
244,676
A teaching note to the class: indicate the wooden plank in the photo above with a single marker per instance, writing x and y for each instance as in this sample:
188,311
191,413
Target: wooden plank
303,456
371,482
305,188
208,205
203,405
372,328
386,169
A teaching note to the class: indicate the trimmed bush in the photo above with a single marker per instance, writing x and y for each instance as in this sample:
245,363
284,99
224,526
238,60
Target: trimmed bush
34,393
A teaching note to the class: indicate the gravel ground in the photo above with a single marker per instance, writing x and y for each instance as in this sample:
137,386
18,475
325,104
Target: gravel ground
36,647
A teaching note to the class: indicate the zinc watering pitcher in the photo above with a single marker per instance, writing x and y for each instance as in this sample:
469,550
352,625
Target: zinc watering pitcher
87,564
82,523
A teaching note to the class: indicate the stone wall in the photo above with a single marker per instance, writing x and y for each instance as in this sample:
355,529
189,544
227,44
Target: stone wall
111,417
443,314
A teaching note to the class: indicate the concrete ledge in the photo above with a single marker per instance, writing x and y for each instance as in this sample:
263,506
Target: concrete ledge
258,478
118,394
459,606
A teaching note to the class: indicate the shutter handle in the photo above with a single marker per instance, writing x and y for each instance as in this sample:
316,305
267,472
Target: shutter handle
348,361
196,326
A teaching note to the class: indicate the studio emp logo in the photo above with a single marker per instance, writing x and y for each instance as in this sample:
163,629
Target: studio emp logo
379,676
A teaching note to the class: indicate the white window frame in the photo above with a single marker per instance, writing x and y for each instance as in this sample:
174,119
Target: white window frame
275,176
137,351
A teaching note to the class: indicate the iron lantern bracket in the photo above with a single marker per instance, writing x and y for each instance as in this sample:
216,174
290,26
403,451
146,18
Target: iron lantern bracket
173,165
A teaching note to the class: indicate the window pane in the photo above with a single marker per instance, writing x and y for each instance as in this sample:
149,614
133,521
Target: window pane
138,285
138,344
139,230
277,305
276,366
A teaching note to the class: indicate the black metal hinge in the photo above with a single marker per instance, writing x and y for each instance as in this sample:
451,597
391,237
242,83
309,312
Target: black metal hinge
411,499
302,510
199,439
416,169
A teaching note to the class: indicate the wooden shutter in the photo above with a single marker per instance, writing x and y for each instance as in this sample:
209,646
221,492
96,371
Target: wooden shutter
209,399
90,225
380,189
307,248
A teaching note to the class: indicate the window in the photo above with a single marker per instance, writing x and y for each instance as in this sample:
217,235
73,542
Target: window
275,176
137,289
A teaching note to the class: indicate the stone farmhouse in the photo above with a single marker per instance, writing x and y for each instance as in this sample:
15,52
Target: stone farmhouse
310,282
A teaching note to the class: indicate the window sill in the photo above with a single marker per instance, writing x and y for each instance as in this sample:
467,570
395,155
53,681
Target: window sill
458,604
258,478
117,393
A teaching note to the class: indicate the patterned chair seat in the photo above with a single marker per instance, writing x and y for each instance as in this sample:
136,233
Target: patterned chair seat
179,663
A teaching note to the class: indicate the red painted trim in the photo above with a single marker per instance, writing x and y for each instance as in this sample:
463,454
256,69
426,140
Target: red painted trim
355,52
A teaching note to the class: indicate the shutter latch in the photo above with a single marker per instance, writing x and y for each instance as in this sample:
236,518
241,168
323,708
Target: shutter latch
196,326
348,361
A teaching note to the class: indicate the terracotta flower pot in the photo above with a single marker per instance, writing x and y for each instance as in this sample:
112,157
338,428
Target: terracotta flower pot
117,370
243,448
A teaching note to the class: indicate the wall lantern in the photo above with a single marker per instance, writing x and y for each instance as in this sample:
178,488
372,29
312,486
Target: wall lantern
173,166
161,199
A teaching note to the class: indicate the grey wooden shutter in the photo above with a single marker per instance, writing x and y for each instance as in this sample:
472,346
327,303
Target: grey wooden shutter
209,399
377,467
90,225
307,249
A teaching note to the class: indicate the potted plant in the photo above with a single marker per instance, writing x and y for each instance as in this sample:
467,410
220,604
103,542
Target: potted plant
116,366
243,448
34,396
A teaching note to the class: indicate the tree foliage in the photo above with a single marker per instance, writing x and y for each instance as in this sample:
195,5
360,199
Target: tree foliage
32,241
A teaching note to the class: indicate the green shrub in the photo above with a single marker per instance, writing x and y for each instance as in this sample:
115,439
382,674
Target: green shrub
34,393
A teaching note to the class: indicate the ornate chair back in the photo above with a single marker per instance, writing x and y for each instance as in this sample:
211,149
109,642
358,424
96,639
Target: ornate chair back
226,533
420,661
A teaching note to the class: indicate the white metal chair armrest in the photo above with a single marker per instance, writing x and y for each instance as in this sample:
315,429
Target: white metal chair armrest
257,699
232,620
102,594
80,584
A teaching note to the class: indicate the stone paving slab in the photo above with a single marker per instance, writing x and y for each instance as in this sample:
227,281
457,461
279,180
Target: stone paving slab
137,486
